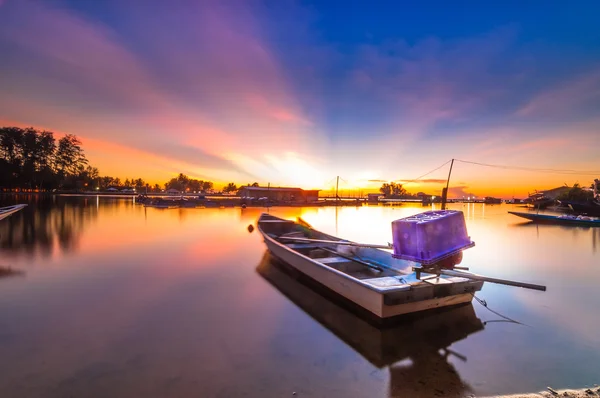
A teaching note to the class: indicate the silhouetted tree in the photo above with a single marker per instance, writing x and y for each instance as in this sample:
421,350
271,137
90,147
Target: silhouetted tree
69,158
229,188
576,194
393,189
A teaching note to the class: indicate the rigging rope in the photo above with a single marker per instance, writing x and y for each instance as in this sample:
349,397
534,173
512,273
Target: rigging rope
426,174
541,170
485,305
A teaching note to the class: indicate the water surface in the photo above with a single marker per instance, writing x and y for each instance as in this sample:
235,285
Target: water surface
120,300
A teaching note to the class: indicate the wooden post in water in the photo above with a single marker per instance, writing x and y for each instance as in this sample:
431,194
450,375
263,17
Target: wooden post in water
445,190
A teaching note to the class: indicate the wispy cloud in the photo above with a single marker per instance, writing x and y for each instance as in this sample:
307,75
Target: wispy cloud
459,191
238,90
191,97
565,97
433,79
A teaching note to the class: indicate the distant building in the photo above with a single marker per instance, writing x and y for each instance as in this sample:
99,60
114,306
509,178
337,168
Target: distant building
491,200
555,192
280,194
173,191
373,197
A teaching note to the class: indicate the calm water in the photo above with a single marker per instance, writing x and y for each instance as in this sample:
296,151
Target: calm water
122,301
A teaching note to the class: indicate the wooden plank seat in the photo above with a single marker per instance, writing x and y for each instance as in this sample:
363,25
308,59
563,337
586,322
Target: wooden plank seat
333,260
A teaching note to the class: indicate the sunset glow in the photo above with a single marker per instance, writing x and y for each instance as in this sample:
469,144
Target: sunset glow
295,93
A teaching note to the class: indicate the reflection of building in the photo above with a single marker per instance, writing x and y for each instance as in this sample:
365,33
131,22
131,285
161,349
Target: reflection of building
423,340
280,194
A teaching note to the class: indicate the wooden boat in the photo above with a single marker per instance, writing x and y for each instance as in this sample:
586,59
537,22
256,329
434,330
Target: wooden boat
382,346
565,219
371,278
591,208
10,210
385,346
159,203
538,200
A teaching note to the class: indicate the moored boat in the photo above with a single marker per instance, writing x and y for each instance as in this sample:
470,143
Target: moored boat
591,208
10,210
407,348
539,200
384,284
565,219
159,203
382,346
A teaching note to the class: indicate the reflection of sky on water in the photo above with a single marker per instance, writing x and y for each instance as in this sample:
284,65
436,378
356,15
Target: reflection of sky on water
560,344
151,302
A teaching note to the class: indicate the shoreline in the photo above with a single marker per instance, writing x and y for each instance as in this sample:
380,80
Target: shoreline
210,200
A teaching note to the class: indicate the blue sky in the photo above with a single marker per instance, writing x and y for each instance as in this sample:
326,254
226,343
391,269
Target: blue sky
295,93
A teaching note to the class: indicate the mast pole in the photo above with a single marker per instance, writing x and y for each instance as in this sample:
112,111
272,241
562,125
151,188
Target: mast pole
445,191
337,184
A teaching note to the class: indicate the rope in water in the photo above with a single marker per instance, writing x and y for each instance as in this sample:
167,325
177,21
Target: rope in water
485,305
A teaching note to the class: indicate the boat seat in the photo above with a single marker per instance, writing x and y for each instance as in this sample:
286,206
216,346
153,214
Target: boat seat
333,260
297,246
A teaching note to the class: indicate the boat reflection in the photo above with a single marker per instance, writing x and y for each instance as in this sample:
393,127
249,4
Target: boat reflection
415,351
573,230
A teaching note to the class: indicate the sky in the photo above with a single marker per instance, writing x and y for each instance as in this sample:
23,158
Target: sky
295,93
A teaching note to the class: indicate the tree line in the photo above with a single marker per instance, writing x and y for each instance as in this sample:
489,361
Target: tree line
36,160
578,194
394,190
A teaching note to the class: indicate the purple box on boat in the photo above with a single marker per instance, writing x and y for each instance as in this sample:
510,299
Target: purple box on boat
431,236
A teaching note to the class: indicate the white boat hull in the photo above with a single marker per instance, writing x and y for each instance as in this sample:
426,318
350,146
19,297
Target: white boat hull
362,294
10,210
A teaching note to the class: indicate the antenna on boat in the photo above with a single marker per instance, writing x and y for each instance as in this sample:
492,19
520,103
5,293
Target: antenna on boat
445,190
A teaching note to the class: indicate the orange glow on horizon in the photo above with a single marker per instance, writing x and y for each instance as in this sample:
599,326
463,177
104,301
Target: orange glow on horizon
122,161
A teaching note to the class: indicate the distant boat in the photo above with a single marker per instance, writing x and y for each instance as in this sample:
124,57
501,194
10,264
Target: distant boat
160,203
10,210
383,284
565,219
492,201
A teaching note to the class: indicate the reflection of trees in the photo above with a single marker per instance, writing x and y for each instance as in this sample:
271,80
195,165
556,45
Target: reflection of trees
6,272
48,222
415,350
